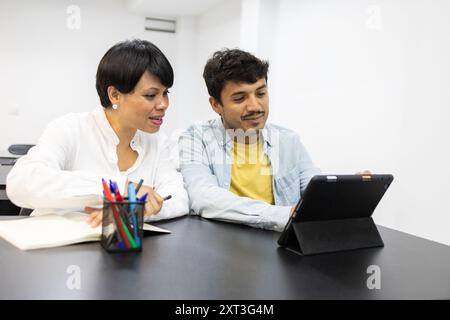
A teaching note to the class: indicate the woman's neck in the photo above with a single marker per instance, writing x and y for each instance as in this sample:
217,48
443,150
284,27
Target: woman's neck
124,133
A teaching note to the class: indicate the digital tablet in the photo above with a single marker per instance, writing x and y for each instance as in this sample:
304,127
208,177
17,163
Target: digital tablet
338,197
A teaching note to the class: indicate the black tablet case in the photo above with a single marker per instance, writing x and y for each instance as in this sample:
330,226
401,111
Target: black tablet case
334,215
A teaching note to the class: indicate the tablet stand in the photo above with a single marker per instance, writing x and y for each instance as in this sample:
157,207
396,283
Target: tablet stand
316,237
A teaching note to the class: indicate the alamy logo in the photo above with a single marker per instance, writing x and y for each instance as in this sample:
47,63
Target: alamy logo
374,280
195,150
74,18
374,17
74,280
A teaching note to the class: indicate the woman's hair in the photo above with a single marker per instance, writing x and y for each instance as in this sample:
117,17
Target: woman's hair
125,63
232,65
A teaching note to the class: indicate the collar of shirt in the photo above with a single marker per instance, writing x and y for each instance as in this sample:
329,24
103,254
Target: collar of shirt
113,140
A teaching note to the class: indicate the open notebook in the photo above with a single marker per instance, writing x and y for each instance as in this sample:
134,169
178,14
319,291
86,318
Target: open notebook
54,230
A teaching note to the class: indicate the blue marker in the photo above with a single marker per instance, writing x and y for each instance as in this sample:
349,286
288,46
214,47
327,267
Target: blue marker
132,198
111,187
144,197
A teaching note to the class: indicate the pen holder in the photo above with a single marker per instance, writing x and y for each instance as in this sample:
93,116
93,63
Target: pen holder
122,226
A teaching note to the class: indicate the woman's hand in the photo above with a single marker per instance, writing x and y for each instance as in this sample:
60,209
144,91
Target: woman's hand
154,200
95,216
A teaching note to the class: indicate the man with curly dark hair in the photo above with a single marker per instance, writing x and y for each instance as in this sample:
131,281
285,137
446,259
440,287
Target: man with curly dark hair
237,168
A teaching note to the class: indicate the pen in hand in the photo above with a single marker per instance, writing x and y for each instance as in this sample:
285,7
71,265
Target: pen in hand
152,207
139,185
144,197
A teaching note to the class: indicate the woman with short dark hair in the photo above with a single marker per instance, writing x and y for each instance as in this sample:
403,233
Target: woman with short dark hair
119,140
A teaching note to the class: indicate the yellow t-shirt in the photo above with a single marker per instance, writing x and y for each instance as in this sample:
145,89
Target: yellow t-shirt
250,172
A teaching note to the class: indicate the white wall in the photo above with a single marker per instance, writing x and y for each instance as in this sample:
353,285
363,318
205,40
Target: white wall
218,28
48,70
199,36
368,84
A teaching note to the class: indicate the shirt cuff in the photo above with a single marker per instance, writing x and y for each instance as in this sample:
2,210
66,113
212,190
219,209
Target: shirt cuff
277,217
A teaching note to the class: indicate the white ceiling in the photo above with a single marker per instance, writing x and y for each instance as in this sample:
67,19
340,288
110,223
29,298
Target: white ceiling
171,7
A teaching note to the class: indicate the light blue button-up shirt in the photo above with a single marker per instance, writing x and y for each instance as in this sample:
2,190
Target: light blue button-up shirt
206,160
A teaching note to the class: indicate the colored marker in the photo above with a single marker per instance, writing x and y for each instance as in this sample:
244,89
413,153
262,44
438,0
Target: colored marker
132,198
144,197
117,192
111,187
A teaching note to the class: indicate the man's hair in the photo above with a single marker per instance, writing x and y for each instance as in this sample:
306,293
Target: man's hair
232,65
124,64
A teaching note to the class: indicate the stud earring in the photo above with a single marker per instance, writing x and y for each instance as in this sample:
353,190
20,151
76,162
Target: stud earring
115,106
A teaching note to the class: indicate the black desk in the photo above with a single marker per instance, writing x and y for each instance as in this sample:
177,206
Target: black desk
213,260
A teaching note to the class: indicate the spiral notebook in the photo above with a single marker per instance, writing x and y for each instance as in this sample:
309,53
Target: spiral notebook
54,230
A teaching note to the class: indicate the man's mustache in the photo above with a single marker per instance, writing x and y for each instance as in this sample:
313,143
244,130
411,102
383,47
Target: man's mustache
253,115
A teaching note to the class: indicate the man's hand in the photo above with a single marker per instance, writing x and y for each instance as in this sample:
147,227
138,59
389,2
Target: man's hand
292,211
364,172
